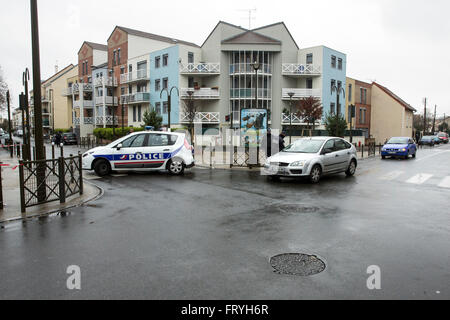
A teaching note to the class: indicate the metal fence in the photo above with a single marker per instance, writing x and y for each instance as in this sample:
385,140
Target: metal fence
49,180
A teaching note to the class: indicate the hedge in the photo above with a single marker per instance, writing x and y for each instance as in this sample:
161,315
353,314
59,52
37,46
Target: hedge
107,133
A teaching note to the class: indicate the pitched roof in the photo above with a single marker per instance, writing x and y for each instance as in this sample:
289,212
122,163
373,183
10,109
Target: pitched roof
395,97
154,37
250,37
226,23
95,46
279,23
59,74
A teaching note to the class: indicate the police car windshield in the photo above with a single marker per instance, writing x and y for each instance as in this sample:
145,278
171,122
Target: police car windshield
305,146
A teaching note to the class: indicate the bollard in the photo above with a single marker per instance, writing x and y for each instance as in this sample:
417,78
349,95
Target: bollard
62,183
34,153
22,188
53,150
80,169
210,155
362,154
62,149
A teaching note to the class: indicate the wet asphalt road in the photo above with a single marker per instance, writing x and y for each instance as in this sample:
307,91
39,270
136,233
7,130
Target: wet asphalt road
211,234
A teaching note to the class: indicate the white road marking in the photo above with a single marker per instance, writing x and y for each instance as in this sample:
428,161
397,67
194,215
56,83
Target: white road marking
392,175
420,178
119,175
432,155
445,183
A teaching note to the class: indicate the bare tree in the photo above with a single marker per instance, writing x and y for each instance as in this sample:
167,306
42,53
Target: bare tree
3,90
310,109
190,111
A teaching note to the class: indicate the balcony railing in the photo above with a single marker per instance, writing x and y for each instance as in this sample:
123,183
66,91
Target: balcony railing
138,97
87,87
86,104
296,120
201,117
139,75
300,93
67,92
107,120
108,100
247,68
106,81
301,69
87,121
250,93
201,94
200,68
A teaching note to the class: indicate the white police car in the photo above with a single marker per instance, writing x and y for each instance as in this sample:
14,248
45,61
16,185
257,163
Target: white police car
142,151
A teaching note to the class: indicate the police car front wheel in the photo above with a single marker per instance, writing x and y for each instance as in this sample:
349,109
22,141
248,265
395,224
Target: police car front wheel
176,167
102,167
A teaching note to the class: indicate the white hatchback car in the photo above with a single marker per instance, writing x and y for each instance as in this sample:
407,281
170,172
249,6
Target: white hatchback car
142,151
313,158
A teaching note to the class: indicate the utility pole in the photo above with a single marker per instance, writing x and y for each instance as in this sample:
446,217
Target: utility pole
39,139
425,117
434,120
9,124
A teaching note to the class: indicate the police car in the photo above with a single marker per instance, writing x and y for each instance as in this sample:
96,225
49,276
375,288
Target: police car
142,151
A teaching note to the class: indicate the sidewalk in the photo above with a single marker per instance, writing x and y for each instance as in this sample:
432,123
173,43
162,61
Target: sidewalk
11,194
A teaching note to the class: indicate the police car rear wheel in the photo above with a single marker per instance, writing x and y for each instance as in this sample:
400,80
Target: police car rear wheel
176,167
102,168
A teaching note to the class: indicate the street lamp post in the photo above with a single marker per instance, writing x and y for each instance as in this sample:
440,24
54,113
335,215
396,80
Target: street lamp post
191,111
351,116
9,123
338,90
291,95
169,102
256,66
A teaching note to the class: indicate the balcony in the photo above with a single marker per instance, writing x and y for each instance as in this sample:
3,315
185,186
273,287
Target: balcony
247,68
201,117
139,75
250,94
108,101
105,81
300,93
86,104
67,92
200,69
201,94
138,97
298,70
107,120
296,120
87,121
86,87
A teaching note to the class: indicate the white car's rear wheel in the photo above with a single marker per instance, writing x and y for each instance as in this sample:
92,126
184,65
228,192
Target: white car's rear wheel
176,167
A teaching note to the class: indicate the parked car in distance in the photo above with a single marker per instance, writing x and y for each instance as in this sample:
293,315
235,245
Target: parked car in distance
427,140
313,158
436,140
399,147
443,137
69,138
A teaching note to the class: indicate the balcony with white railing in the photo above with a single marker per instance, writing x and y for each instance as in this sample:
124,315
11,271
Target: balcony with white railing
300,93
86,87
108,101
138,97
200,69
86,104
250,93
247,68
296,69
106,120
296,120
201,117
67,92
138,75
105,81
201,94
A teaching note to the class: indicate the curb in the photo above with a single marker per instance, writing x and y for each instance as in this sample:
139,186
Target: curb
100,194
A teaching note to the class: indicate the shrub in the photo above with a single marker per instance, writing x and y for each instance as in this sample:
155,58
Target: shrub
108,134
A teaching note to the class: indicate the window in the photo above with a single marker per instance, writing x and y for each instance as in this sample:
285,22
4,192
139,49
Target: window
190,57
114,57
340,64
329,145
363,96
362,115
161,140
134,113
309,83
190,82
158,108
122,91
333,62
309,58
340,145
122,70
130,68
158,85
350,93
157,62
139,113
339,84
333,108
134,142
165,60
165,83
130,89
119,55
165,108
333,84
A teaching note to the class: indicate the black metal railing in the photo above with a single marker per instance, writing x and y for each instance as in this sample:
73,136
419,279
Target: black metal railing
49,180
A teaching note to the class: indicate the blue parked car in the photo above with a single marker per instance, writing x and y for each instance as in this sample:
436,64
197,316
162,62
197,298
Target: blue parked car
399,148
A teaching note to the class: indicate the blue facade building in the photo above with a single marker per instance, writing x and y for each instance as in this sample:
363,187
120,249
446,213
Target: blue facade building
334,72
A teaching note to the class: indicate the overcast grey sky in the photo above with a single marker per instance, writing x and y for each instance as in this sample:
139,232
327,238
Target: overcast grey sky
402,44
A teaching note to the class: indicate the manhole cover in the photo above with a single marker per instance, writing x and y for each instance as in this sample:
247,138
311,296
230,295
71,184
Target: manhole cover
297,264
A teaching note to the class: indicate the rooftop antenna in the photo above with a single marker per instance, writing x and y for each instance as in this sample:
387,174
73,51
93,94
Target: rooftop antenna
250,16
56,67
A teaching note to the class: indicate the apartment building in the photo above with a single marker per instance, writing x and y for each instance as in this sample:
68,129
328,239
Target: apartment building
218,77
54,106
359,94
391,116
